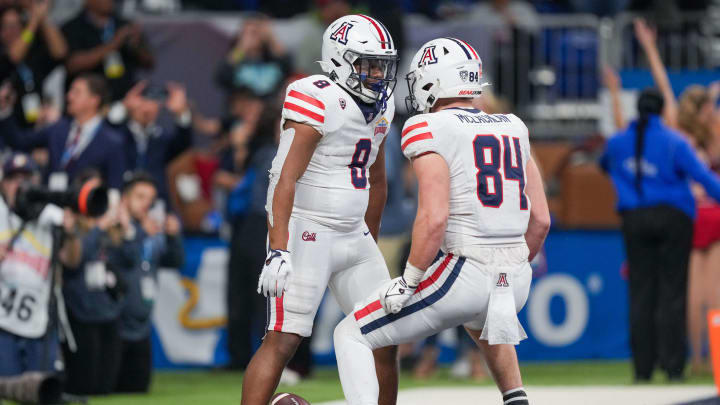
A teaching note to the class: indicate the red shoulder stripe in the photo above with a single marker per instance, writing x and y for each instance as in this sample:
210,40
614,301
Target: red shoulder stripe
415,138
306,98
414,126
304,111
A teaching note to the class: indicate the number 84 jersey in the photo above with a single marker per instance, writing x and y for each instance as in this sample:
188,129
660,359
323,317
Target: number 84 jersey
487,155
334,189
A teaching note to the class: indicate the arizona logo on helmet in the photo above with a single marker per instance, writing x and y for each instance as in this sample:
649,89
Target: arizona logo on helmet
428,57
341,33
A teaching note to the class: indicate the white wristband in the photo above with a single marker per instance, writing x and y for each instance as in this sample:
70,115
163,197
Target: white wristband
413,275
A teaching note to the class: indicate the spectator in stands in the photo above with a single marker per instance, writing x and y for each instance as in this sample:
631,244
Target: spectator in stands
150,145
505,15
148,244
102,42
512,26
308,52
28,53
698,118
651,166
245,180
257,61
81,141
93,297
695,117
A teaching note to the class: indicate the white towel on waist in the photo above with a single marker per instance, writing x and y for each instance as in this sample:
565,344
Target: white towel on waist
501,324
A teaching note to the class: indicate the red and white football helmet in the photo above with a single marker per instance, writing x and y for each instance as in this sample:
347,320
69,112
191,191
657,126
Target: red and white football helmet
359,54
443,68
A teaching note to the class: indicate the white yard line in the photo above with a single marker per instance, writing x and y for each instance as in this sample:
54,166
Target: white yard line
586,395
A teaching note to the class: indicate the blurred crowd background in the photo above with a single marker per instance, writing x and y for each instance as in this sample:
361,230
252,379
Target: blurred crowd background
190,92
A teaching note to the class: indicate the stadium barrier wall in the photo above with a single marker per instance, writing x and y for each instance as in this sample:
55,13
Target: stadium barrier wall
577,307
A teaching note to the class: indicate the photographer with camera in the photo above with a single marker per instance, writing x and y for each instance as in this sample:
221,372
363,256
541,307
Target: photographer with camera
151,240
93,296
28,339
83,140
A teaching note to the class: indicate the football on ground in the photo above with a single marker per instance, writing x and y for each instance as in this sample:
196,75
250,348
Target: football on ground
286,398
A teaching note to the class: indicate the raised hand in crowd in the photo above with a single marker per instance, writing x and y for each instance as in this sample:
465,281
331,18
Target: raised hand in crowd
38,19
172,225
133,98
151,226
611,80
647,36
177,102
277,48
39,11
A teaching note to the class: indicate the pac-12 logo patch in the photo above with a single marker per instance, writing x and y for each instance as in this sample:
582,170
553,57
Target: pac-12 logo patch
428,56
381,127
343,103
502,280
308,237
341,33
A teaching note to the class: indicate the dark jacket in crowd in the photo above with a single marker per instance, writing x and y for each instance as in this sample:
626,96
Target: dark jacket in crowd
164,144
139,260
89,304
101,153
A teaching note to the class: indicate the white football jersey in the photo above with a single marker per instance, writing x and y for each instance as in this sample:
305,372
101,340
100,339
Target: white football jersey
334,189
487,155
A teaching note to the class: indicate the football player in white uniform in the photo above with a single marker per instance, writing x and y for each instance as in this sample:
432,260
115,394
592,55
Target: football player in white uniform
325,199
481,203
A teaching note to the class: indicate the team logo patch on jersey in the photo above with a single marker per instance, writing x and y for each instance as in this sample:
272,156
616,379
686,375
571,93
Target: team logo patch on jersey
341,33
343,103
428,57
308,237
381,127
464,75
502,280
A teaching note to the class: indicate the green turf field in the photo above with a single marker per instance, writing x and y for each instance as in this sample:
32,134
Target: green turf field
214,388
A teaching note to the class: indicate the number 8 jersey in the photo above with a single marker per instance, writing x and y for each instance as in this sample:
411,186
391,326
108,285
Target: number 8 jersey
487,155
334,189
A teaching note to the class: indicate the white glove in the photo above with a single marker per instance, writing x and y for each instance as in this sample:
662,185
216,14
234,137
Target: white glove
398,291
395,294
275,272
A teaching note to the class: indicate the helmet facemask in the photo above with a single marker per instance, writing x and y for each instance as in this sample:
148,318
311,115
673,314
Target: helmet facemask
416,103
372,78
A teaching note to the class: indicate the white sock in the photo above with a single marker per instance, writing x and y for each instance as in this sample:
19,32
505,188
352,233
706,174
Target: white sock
515,396
356,364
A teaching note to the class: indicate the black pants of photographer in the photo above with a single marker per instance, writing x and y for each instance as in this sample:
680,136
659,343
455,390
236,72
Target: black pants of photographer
657,242
135,366
246,308
93,368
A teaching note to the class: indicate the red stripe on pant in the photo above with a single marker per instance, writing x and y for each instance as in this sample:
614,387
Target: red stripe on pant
279,313
376,305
